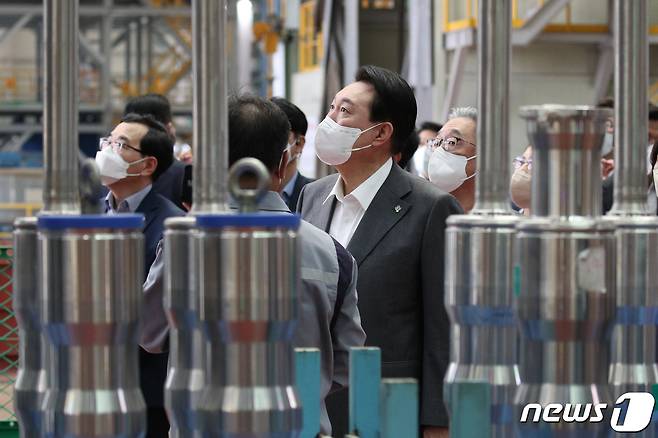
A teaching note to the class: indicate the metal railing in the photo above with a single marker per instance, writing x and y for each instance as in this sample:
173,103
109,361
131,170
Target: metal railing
469,19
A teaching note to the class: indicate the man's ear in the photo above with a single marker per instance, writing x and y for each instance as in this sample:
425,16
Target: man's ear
150,165
384,133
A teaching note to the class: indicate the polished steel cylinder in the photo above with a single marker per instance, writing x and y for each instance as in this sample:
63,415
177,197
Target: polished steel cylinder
28,394
210,121
185,377
479,302
633,365
493,35
91,269
248,269
565,302
60,110
631,106
566,173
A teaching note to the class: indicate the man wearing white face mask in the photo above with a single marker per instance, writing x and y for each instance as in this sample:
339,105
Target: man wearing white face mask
136,153
293,181
393,223
452,165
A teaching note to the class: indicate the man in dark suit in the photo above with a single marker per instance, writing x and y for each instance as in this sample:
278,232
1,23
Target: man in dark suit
393,224
130,160
293,182
170,183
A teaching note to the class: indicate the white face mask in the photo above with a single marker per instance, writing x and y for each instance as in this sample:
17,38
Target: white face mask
655,179
448,171
520,188
333,142
112,167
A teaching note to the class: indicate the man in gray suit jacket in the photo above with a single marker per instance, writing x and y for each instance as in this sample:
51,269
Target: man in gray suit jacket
328,313
393,224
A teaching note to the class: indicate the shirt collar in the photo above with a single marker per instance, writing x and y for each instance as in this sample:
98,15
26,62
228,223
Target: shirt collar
290,187
367,190
131,201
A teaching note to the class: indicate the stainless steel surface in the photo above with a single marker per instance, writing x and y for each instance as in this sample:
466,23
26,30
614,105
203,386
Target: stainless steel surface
565,303
210,105
479,301
633,364
248,307
247,281
90,301
257,173
27,392
185,378
60,114
566,174
492,180
631,109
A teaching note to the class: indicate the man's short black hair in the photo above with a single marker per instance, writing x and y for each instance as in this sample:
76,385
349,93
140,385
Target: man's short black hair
155,143
297,119
257,128
156,105
430,126
409,149
394,102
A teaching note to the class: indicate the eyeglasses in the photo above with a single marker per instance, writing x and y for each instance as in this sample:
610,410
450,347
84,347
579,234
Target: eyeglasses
117,146
448,143
520,161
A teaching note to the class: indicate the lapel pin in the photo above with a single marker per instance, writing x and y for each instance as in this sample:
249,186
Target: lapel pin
397,208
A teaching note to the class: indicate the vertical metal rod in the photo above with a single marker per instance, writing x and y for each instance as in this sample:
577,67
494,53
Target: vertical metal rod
210,105
631,106
106,76
60,116
492,183
148,24
128,41
139,59
352,35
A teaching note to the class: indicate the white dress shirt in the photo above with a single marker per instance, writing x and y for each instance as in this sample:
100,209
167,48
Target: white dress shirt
350,208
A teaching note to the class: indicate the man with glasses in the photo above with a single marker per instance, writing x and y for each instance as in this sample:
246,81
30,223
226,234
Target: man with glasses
293,181
452,166
130,159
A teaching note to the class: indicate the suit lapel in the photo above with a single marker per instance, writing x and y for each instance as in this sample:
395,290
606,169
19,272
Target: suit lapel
386,209
147,207
322,212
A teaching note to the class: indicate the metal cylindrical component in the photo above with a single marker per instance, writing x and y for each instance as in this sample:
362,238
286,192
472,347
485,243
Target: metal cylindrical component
185,377
492,179
248,269
565,303
479,301
91,268
633,365
28,394
210,121
566,174
60,112
631,106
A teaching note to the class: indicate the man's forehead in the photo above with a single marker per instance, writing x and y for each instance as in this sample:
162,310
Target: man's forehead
130,131
357,93
459,126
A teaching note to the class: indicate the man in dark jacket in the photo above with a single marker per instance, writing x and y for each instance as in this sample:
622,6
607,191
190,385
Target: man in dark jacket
130,160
